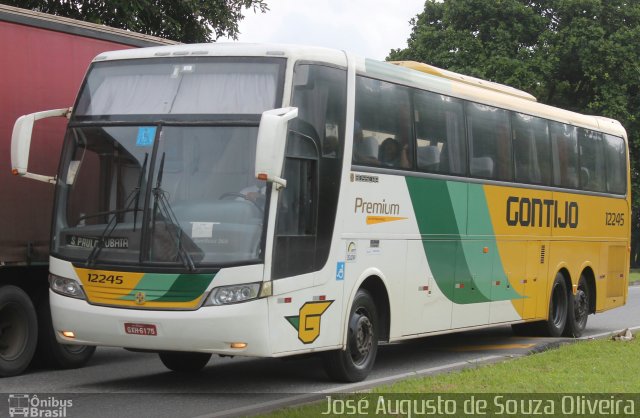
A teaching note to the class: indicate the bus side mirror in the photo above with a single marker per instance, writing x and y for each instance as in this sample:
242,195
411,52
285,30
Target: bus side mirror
21,142
272,138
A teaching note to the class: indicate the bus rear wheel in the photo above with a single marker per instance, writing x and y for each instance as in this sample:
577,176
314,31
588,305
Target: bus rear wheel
578,310
558,308
355,362
184,362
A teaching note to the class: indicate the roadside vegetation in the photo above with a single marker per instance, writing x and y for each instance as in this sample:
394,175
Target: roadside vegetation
634,277
568,369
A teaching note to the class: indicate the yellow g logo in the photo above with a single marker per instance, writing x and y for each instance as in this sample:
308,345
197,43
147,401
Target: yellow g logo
308,322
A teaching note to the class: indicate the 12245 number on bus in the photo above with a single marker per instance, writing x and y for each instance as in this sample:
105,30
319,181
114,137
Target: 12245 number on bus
105,278
614,219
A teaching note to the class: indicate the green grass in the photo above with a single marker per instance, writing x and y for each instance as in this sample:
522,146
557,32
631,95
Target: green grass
590,366
599,366
634,276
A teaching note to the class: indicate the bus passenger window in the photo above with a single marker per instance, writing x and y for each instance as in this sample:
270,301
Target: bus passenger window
592,169
383,126
616,164
531,149
489,141
440,136
564,149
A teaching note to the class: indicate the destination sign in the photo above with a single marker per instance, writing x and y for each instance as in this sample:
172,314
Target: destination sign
90,242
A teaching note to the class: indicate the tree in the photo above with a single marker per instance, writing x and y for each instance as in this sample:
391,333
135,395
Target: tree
185,21
580,55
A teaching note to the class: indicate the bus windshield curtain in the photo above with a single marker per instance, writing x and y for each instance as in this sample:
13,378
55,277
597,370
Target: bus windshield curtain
217,93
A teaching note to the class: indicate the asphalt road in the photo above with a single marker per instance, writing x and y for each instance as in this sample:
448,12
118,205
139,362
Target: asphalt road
119,383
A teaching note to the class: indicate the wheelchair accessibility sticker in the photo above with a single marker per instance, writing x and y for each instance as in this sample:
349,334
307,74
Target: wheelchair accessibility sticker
340,270
146,135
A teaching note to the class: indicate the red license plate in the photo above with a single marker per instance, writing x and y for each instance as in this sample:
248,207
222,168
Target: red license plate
140,329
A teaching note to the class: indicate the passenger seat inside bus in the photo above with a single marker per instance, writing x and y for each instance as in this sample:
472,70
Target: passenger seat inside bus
429,158
482,167
366,150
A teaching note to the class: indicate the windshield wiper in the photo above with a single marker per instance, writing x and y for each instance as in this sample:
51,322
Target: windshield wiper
169,218
134,196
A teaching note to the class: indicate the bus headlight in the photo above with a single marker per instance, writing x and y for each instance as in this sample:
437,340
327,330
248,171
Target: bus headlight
225,295
66,287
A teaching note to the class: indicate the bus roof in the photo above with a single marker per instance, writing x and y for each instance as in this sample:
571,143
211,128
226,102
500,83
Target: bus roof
473,81
412,74
233,49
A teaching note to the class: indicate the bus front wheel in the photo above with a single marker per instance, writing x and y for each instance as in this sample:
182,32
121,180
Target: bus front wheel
355,362
184,362
50,352
558,308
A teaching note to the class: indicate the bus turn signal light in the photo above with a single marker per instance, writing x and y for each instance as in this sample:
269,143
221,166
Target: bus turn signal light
238,345
68,334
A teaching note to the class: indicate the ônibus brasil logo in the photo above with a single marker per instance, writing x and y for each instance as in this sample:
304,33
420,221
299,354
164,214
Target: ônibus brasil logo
31,406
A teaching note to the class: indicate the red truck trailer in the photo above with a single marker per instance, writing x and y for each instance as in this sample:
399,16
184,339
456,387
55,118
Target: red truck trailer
43,61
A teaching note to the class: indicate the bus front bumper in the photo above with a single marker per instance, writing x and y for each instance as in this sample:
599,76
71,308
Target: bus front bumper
210,329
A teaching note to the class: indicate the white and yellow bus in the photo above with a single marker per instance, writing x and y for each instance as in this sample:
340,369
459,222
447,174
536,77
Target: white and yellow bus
269,200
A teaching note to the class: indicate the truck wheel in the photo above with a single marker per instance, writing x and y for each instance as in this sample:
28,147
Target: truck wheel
18,331
50,352
558,308
185,362
355,363
578,310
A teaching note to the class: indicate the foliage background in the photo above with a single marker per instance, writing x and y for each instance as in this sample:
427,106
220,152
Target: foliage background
188,21
581,55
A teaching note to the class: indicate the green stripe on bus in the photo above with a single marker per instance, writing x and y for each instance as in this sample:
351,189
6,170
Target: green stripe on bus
187,287
446,213
480,225
171,287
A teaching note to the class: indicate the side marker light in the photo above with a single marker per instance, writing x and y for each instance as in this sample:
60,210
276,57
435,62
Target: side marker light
238,345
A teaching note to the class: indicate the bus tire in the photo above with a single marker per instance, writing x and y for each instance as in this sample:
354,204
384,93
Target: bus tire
18,331
558,308
184,362
50,353
355,363
578,310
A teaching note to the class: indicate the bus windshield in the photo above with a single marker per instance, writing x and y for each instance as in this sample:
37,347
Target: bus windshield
185,86
163,190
